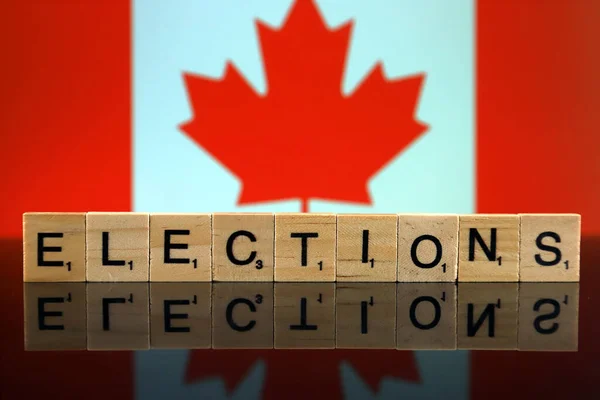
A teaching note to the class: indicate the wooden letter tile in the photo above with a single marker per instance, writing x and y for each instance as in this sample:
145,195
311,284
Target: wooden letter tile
365,315
488,248
54,316
118,316
426,316
54,247
180,315
242,316
550,247
427,248
304,315
118,247
180,247
305,247
548,316
487,316
243,247
366,248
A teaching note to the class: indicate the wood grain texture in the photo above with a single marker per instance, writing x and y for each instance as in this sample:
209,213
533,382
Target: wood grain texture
488,248
548,316
487,316
365,315
317,262
426,316
305,315
550,247
243,247
55,316
366,248
125,236
427,248
242,315
63,241
118,316
180,315
187,238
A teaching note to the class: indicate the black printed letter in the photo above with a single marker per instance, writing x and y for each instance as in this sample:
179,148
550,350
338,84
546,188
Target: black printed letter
436,308
545,247
105,258
489,311
438,251
169,316
229,248
490,252
303,325
42,314
229,315
168,246
545,317
304,244
41,249
106,302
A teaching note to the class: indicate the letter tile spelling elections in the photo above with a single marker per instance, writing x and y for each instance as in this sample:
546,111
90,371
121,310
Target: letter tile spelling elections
311,315
300,247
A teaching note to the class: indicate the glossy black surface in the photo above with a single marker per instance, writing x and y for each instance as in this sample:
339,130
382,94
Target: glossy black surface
407,316
551,358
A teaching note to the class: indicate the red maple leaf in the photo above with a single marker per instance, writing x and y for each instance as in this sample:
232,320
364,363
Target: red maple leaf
303,139
299,374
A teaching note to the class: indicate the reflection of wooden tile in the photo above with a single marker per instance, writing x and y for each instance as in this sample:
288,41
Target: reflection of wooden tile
118,316
488,248
118,247
365,315
180,315
305,247
305,315
426,316
54,316
548,316
427,248
243,247
54,247
550,247
487,316
242,315
366,248
180,247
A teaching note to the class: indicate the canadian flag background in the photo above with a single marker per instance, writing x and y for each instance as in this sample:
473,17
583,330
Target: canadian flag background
518,84
95,101
240,70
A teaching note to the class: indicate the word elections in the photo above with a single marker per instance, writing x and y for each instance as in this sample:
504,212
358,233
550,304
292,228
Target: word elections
300,247
321,315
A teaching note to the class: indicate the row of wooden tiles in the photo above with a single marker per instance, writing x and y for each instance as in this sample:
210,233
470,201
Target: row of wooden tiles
137,316
289,247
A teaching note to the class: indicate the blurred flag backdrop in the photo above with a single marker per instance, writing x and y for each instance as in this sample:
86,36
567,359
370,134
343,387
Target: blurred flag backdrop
509,95
94,97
